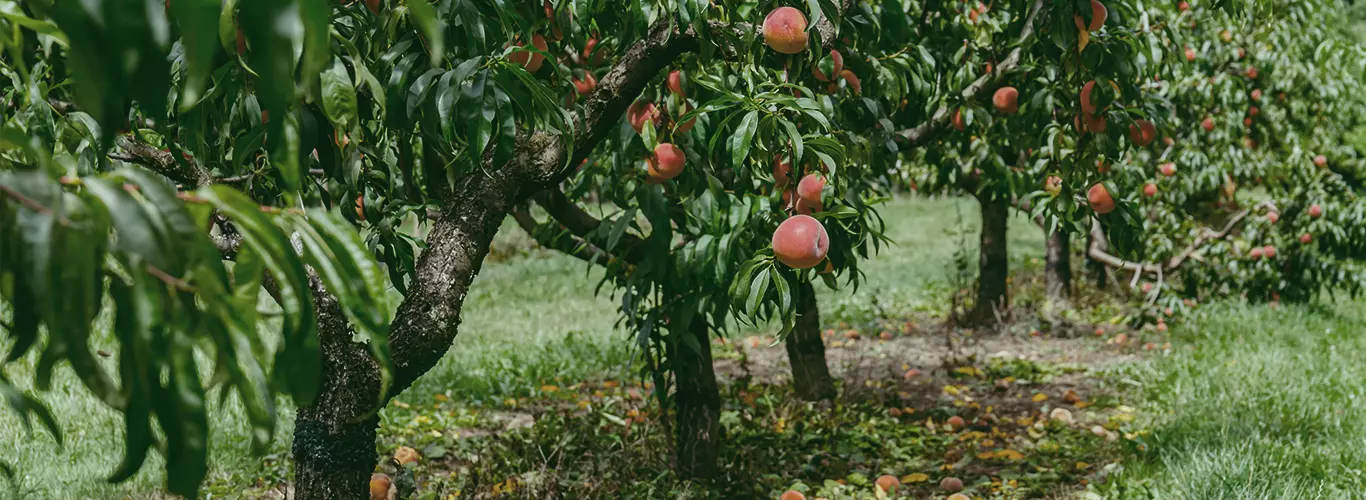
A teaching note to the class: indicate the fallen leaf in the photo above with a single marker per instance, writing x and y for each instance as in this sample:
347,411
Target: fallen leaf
1039,397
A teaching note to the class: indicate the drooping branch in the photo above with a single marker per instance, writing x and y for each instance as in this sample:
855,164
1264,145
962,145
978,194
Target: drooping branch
563,243
1204,236
162,162
921,133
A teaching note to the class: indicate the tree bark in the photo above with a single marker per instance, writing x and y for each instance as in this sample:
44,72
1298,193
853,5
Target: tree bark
697,400
993,267
1099,273
806,351
1058,266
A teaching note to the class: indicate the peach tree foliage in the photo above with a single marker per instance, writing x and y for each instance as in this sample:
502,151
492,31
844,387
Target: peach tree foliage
1279,92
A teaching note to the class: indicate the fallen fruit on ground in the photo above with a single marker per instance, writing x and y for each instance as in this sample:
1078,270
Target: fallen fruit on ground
379,486
405,455
801,242
792,495
785,30
888,483
951,484
956,422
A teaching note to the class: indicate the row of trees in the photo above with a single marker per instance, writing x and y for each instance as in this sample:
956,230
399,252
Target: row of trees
166,165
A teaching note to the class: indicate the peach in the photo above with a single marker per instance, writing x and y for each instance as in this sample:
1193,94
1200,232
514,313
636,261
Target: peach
1088,107
805,207
1052,185
1207,124
801,242
951,484
379,486
958,123
684,127
1252,72
792,495
669,161
852,80
836,67
1147,288
1255,253
1190,54
373,5
405,455
1272,217
1006,100
782,171
1269,251
1320,161
530,60
1256,95
1162,326
586,85
1306,238
589,50
641,111
1315,211
1098,15
956,422
360,207
810,187
676,83
888,483
1142,133
1226,36
1094,124
785,30
1253,111
1100,199
1183,6
1150,190
1168,169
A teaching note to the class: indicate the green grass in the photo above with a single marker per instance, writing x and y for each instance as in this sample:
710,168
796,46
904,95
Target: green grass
531,318
1264,404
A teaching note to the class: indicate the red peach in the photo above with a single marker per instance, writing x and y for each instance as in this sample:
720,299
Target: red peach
801,242
785,30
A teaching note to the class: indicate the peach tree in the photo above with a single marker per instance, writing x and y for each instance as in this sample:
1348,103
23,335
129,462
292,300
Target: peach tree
1252,190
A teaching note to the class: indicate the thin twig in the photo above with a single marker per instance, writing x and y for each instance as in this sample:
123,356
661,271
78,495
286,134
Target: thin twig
34,205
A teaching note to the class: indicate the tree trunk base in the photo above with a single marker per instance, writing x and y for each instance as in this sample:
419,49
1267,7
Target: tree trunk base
811,378
697,402
993,299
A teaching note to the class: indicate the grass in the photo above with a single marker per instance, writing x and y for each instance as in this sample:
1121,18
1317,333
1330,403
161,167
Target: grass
1264,404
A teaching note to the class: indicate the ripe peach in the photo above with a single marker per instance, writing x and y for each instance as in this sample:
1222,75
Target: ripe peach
792,495
1315,211
586,85
1052,185
530,60
1098,15
669,161
801,242
360,207
1100,199
684,127
838,65
1269,251
1255,253
589,50
1207,124
373,5
1252,72
1161,326
1094,124
807,207
1320,161
1256,95
782,171
852,80
1150,190
1006,100
1241,53
972,15
810,187
641,111
951,484
1306,238
785,30
379,486
676,83
1168,169
1147,288
1272,217
958,123
1168,141
1142,133
1087,106
1190,54
1183,6
888,483
1253,111
955,422
1226,36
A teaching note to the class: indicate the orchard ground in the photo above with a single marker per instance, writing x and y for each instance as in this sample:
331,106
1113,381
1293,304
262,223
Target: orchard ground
537,398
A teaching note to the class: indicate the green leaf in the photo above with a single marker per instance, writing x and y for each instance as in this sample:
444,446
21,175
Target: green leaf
339,96
421,13
317,50
197,21
743,139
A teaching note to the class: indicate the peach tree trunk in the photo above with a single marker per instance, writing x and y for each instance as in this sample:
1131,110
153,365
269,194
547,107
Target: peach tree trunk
1058,265
993,267
697,400
806,351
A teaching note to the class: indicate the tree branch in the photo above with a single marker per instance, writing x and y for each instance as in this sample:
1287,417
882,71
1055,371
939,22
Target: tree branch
921,133
162,162
1204,236
563,243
